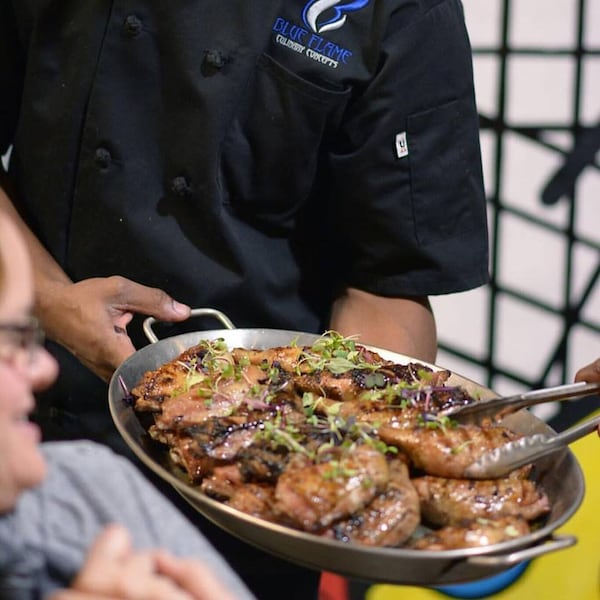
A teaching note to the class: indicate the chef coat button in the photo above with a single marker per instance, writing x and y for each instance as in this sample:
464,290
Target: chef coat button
215,59
103,158
180,187
132,26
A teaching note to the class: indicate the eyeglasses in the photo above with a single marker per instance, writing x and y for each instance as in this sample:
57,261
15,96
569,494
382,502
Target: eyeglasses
20,342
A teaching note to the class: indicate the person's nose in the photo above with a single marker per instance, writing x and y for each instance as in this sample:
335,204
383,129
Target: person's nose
42,369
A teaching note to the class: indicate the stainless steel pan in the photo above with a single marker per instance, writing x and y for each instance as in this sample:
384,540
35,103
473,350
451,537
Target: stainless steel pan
559,474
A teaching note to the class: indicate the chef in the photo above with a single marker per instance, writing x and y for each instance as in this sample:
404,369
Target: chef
298,165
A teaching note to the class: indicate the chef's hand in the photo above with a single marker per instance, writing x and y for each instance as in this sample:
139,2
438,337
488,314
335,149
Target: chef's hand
90,318
114,571
591,374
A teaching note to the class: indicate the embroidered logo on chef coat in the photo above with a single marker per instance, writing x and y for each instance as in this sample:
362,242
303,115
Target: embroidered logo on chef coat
318,17
327,15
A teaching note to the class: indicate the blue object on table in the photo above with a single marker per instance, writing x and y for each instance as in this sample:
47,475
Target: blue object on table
484,587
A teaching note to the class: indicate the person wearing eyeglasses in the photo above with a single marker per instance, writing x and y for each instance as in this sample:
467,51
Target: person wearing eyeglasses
78,522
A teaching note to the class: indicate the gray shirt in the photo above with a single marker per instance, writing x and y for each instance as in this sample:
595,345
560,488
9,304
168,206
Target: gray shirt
44,541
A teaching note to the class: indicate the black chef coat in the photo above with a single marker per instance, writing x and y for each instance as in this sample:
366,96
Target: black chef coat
253,156
248,156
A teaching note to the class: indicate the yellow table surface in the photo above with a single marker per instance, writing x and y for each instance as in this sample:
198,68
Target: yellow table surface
571,574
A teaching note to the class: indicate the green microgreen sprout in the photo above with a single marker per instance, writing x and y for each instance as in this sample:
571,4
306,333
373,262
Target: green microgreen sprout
310,403
458,449
335,353
433,421
278,435
375,380
398,395
336,469
193,377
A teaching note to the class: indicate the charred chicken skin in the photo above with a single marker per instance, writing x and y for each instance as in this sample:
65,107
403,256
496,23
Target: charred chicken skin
450,501
389,519
474,534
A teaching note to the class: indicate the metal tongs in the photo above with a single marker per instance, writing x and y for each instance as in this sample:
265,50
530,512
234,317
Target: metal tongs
512,455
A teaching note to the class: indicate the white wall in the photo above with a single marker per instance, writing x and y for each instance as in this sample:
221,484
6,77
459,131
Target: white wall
532,258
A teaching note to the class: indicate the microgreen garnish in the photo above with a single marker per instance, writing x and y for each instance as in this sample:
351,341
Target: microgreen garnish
461,447
433,421
335,353
340,430
280,435
511,531
375,380
336,469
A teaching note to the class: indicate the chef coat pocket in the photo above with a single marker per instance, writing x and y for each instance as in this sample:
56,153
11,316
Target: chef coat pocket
270,154
445,171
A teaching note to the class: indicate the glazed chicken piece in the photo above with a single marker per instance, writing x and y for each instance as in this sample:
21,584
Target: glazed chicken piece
315,495
189,409
170,379
335,356
445,451
198,449
297,359
185,453
474,534
389,519
352,384
397,405
282,357
223,439
218,440
342,386
227,485
256,500
379,413
236,397
374,412
223,482
263,465
345,386
254,465
214,397
451,501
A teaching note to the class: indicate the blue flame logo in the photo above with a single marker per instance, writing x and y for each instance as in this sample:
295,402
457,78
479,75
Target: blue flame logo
313,11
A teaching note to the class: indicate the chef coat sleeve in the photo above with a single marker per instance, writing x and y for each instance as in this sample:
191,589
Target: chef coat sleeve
408,187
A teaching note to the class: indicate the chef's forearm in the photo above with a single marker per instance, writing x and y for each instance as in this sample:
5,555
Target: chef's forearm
404,325
48,274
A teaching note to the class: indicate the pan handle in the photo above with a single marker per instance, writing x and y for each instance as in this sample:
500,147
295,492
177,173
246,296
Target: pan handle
556,542
195,312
